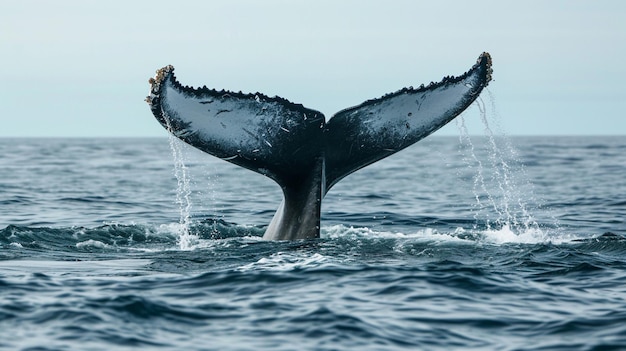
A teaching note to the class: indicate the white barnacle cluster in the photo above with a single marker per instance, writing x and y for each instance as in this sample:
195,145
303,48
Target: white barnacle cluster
489,64
155,83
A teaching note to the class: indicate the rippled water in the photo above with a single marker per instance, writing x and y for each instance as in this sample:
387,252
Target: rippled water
455,243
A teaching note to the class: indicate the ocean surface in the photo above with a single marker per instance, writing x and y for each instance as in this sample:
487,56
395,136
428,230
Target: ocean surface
456,243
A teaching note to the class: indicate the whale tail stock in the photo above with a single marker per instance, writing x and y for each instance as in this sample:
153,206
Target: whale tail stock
295,146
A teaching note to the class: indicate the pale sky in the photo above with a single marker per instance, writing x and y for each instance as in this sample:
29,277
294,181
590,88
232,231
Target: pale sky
80,67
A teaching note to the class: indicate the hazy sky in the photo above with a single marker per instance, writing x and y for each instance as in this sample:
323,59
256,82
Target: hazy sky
80,67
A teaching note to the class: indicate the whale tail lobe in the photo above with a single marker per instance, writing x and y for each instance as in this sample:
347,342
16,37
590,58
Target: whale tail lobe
295,146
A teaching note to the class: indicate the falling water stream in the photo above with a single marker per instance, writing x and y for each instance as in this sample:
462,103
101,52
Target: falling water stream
183,190
499,185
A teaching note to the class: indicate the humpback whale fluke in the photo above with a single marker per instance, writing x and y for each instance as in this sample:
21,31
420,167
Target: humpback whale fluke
295,146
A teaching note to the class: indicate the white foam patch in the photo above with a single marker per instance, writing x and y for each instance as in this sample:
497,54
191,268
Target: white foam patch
234,243
426,234
186,240
92,243
282,261
171,229
505,235
501,236
532,235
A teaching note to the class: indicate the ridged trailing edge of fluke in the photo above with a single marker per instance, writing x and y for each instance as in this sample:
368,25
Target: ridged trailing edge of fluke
483,62
296,146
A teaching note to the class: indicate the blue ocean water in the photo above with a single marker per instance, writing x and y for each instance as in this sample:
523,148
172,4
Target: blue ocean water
457,243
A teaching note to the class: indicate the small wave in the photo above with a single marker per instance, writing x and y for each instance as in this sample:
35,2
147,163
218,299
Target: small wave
282,261
44,269
92,243
17,200
105,237
505,235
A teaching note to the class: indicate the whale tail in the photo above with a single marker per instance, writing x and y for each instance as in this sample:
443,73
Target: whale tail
295,146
